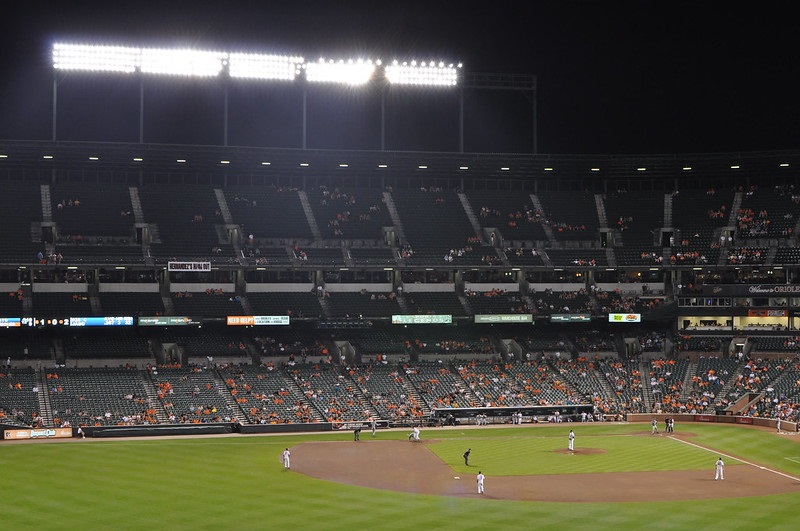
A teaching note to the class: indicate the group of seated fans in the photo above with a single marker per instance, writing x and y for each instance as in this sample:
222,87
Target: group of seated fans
324,389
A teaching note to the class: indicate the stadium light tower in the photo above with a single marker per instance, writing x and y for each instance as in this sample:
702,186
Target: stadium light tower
264,67
131,60
420,74
181,62
351,72
91,58
227,66
430,74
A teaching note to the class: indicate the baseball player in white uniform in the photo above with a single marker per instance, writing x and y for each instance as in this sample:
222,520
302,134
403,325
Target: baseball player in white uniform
720,470
571,441
480,478
287,459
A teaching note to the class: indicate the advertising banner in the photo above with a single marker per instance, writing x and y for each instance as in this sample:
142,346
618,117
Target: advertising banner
43,433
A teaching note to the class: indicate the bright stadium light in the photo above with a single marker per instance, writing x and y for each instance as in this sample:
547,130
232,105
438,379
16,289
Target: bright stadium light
261,66
430,74
93,58
182,62
352,72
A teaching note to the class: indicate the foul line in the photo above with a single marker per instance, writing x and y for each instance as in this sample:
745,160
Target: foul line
736,459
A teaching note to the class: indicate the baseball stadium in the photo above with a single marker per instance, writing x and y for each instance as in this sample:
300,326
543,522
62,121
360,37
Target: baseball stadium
175,316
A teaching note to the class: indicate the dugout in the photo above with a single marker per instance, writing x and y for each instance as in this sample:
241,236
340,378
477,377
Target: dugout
502,415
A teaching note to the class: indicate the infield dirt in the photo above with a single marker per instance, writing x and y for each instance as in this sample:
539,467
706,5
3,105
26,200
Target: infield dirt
412,467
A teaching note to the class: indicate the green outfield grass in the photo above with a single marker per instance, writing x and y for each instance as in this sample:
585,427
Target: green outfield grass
238,482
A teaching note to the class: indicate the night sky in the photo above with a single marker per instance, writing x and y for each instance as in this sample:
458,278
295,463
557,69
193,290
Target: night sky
614,77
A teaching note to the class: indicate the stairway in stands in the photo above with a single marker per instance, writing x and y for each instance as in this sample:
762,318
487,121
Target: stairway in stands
233,406
153,401
691,372
45,409
647,389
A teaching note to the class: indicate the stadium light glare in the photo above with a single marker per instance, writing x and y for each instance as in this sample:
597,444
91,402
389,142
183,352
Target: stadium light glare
351,72
430,74
94,58
182,62
261,66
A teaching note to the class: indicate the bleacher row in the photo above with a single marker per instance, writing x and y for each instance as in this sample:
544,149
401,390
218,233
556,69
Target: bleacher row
114,223
400,392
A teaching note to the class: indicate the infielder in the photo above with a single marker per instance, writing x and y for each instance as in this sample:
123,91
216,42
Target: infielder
654,425
720,470
287,459
480,477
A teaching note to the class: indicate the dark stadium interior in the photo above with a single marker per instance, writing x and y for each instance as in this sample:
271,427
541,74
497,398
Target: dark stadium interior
404,292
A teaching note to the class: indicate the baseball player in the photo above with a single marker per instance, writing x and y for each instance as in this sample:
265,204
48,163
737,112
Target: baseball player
720,470
571,441
654,427
287,458
480,477
466,456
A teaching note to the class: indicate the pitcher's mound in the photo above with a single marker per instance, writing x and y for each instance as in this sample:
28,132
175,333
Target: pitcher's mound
581,451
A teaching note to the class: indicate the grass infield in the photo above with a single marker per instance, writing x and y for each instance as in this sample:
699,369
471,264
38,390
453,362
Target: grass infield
239,482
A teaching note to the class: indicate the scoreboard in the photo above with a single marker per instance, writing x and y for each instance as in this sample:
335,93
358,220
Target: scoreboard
14,322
